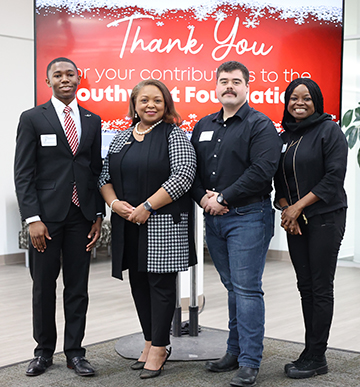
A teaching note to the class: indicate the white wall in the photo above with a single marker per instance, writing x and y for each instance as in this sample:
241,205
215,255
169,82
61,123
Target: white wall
17,95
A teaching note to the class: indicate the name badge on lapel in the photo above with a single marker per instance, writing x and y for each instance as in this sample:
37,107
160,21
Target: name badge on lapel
48,140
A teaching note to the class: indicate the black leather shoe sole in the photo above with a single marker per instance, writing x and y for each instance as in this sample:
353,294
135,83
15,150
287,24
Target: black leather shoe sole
214,368
295,373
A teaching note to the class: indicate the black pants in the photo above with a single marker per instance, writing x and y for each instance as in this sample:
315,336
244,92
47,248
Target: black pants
69,240
314,255
154,294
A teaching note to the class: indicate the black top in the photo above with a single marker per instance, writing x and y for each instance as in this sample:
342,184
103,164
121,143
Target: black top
319,165
131,163
238,157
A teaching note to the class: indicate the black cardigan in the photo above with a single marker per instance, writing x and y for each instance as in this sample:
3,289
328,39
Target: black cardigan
157,152
320,165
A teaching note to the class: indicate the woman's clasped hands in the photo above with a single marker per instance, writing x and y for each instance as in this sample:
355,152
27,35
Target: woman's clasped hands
289,221
136,215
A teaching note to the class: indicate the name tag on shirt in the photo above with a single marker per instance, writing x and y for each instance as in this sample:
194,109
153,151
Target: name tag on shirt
48,140
206,136
284,147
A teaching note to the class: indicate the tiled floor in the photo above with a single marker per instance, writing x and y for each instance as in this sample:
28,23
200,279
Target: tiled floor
112,314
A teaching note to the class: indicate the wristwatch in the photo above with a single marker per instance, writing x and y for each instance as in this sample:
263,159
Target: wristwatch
148,207
220,199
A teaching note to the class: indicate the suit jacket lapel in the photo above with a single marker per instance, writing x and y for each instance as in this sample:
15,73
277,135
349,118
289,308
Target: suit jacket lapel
52,117
85,116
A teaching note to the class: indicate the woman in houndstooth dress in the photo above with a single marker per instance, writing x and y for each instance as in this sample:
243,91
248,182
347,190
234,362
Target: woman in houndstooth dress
145,180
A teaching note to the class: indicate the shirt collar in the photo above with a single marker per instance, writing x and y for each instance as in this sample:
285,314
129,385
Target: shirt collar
241,113
59,106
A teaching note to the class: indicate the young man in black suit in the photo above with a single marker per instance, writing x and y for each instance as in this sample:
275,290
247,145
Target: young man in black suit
57,164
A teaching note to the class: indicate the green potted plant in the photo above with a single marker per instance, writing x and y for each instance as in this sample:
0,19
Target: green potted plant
351,123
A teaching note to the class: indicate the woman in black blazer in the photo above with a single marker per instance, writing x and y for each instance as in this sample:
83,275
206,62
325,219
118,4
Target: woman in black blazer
310,192
145,181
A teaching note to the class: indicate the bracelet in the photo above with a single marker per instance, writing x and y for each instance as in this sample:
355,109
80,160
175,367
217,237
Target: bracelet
111,204
284,208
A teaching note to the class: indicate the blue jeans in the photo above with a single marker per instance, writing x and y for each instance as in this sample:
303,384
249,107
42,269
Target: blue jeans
238,242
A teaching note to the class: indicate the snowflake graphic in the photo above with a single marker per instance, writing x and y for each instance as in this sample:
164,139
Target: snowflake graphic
299,21
105,125
323,14
251,23
257,13
220,16
201,13
192,116
160,23
278,127
302,14
287,14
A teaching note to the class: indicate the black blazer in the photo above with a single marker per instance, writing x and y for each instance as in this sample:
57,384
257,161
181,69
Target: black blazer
44,175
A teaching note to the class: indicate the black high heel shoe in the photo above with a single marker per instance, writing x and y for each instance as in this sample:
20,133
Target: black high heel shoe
138,365
147,374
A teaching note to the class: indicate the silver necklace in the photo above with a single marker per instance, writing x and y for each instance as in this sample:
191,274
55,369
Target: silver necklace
147,130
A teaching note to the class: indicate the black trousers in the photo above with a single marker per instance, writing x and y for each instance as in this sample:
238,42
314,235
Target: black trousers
154,294
66,249
314,256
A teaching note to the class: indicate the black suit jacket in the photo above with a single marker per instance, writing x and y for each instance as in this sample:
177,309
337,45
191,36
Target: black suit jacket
44,175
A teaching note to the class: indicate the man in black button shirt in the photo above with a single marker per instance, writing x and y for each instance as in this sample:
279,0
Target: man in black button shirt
238,151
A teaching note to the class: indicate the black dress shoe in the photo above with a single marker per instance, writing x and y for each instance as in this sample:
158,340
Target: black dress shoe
38,366
245,377
148,374
228,362
81,366
138,365
316,365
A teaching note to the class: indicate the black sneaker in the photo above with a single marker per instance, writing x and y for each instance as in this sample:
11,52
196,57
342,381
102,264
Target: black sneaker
316,365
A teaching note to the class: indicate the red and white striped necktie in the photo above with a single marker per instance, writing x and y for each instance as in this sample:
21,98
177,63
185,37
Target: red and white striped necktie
72,137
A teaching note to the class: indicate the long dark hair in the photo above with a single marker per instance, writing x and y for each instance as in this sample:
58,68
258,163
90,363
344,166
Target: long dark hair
315,92
170,116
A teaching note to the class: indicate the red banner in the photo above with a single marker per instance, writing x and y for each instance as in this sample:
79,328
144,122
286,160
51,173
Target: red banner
115,47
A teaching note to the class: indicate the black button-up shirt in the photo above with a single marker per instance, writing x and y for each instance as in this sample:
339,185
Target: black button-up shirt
238,157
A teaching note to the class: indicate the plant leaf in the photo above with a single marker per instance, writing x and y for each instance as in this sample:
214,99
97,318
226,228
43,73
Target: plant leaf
357,112
358,157
352,135
347,118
